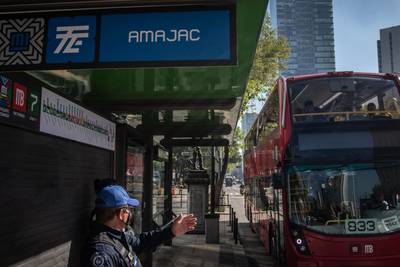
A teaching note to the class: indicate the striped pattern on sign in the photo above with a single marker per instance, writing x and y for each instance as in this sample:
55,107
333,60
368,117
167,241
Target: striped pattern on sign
21,41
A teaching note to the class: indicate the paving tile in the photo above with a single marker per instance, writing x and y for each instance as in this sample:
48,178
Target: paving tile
191,250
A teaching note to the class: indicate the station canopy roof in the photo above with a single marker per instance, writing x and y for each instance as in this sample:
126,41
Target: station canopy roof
184,102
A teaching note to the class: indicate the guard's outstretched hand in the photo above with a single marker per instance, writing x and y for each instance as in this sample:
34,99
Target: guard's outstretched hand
183,224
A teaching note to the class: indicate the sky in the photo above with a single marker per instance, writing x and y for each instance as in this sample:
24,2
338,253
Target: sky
356,29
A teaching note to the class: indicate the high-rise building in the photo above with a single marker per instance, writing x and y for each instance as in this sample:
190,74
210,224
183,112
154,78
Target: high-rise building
389,49
308,26
247,121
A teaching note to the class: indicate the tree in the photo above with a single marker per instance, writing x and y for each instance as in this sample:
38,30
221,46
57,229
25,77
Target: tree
236,147
271,54
182,163
270,58
231,154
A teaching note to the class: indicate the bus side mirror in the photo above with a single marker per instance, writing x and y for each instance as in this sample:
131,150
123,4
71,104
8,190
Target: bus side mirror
277,180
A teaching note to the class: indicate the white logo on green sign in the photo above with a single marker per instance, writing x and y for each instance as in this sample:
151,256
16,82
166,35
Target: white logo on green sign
33,104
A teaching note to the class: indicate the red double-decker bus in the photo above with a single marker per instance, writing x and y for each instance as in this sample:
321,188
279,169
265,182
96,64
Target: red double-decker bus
322,171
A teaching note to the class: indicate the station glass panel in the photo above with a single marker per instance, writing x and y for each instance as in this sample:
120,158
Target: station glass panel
158,192
134,182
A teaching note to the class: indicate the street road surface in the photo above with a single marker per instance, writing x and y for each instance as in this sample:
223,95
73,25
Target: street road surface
237,202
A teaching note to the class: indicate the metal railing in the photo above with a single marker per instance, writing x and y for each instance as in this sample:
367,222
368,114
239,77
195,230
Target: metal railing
162,214
179,200
232,222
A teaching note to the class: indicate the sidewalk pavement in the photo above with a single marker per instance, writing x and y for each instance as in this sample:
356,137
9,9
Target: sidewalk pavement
254,250
192,251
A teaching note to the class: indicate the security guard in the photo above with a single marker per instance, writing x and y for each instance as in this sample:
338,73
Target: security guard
111,244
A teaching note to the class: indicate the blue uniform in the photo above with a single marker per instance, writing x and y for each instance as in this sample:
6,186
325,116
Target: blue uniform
108,247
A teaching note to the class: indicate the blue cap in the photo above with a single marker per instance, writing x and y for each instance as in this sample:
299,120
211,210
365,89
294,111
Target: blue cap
114,196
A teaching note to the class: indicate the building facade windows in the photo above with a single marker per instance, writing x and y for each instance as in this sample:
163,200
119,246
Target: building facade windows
389,49
308,26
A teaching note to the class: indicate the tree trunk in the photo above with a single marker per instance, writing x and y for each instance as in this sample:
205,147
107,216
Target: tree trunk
221,176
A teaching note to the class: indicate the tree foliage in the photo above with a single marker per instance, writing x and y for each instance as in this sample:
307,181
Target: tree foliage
236,146
270,58
271,53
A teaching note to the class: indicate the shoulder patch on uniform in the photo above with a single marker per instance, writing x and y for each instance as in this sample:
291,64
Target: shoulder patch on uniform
97,259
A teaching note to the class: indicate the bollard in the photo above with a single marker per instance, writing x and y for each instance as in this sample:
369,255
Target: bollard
180,192
235,234
234,230
234,226
233,223
230,216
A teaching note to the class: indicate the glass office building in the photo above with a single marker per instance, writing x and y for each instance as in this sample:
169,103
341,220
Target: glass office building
308,26
389,49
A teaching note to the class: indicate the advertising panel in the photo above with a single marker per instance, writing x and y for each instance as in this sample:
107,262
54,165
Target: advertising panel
62,117
27,104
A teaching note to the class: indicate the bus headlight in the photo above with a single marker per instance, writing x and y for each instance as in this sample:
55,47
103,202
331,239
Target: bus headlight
299,240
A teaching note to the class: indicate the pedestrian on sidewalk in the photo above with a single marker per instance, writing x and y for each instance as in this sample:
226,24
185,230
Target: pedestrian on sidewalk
111,244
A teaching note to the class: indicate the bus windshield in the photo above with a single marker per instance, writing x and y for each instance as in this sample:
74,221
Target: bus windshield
343,99
346,200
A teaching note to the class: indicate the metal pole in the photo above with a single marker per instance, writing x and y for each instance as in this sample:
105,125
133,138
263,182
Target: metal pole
168,170
148,119
168,189
236,230
180,192
233,224
229,221
147,221
212,180
120,153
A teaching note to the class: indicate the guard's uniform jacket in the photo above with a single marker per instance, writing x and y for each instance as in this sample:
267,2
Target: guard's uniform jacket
108,247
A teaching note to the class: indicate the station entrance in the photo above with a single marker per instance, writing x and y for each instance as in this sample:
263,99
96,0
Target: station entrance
106,89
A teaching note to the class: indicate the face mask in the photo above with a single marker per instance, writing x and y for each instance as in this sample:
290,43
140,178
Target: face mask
128,221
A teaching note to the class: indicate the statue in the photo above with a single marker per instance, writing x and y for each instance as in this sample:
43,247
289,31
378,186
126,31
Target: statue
197,181
194,160
197,154
200,158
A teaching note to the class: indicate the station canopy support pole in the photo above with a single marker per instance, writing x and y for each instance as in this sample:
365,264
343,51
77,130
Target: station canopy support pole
168,181
212,180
